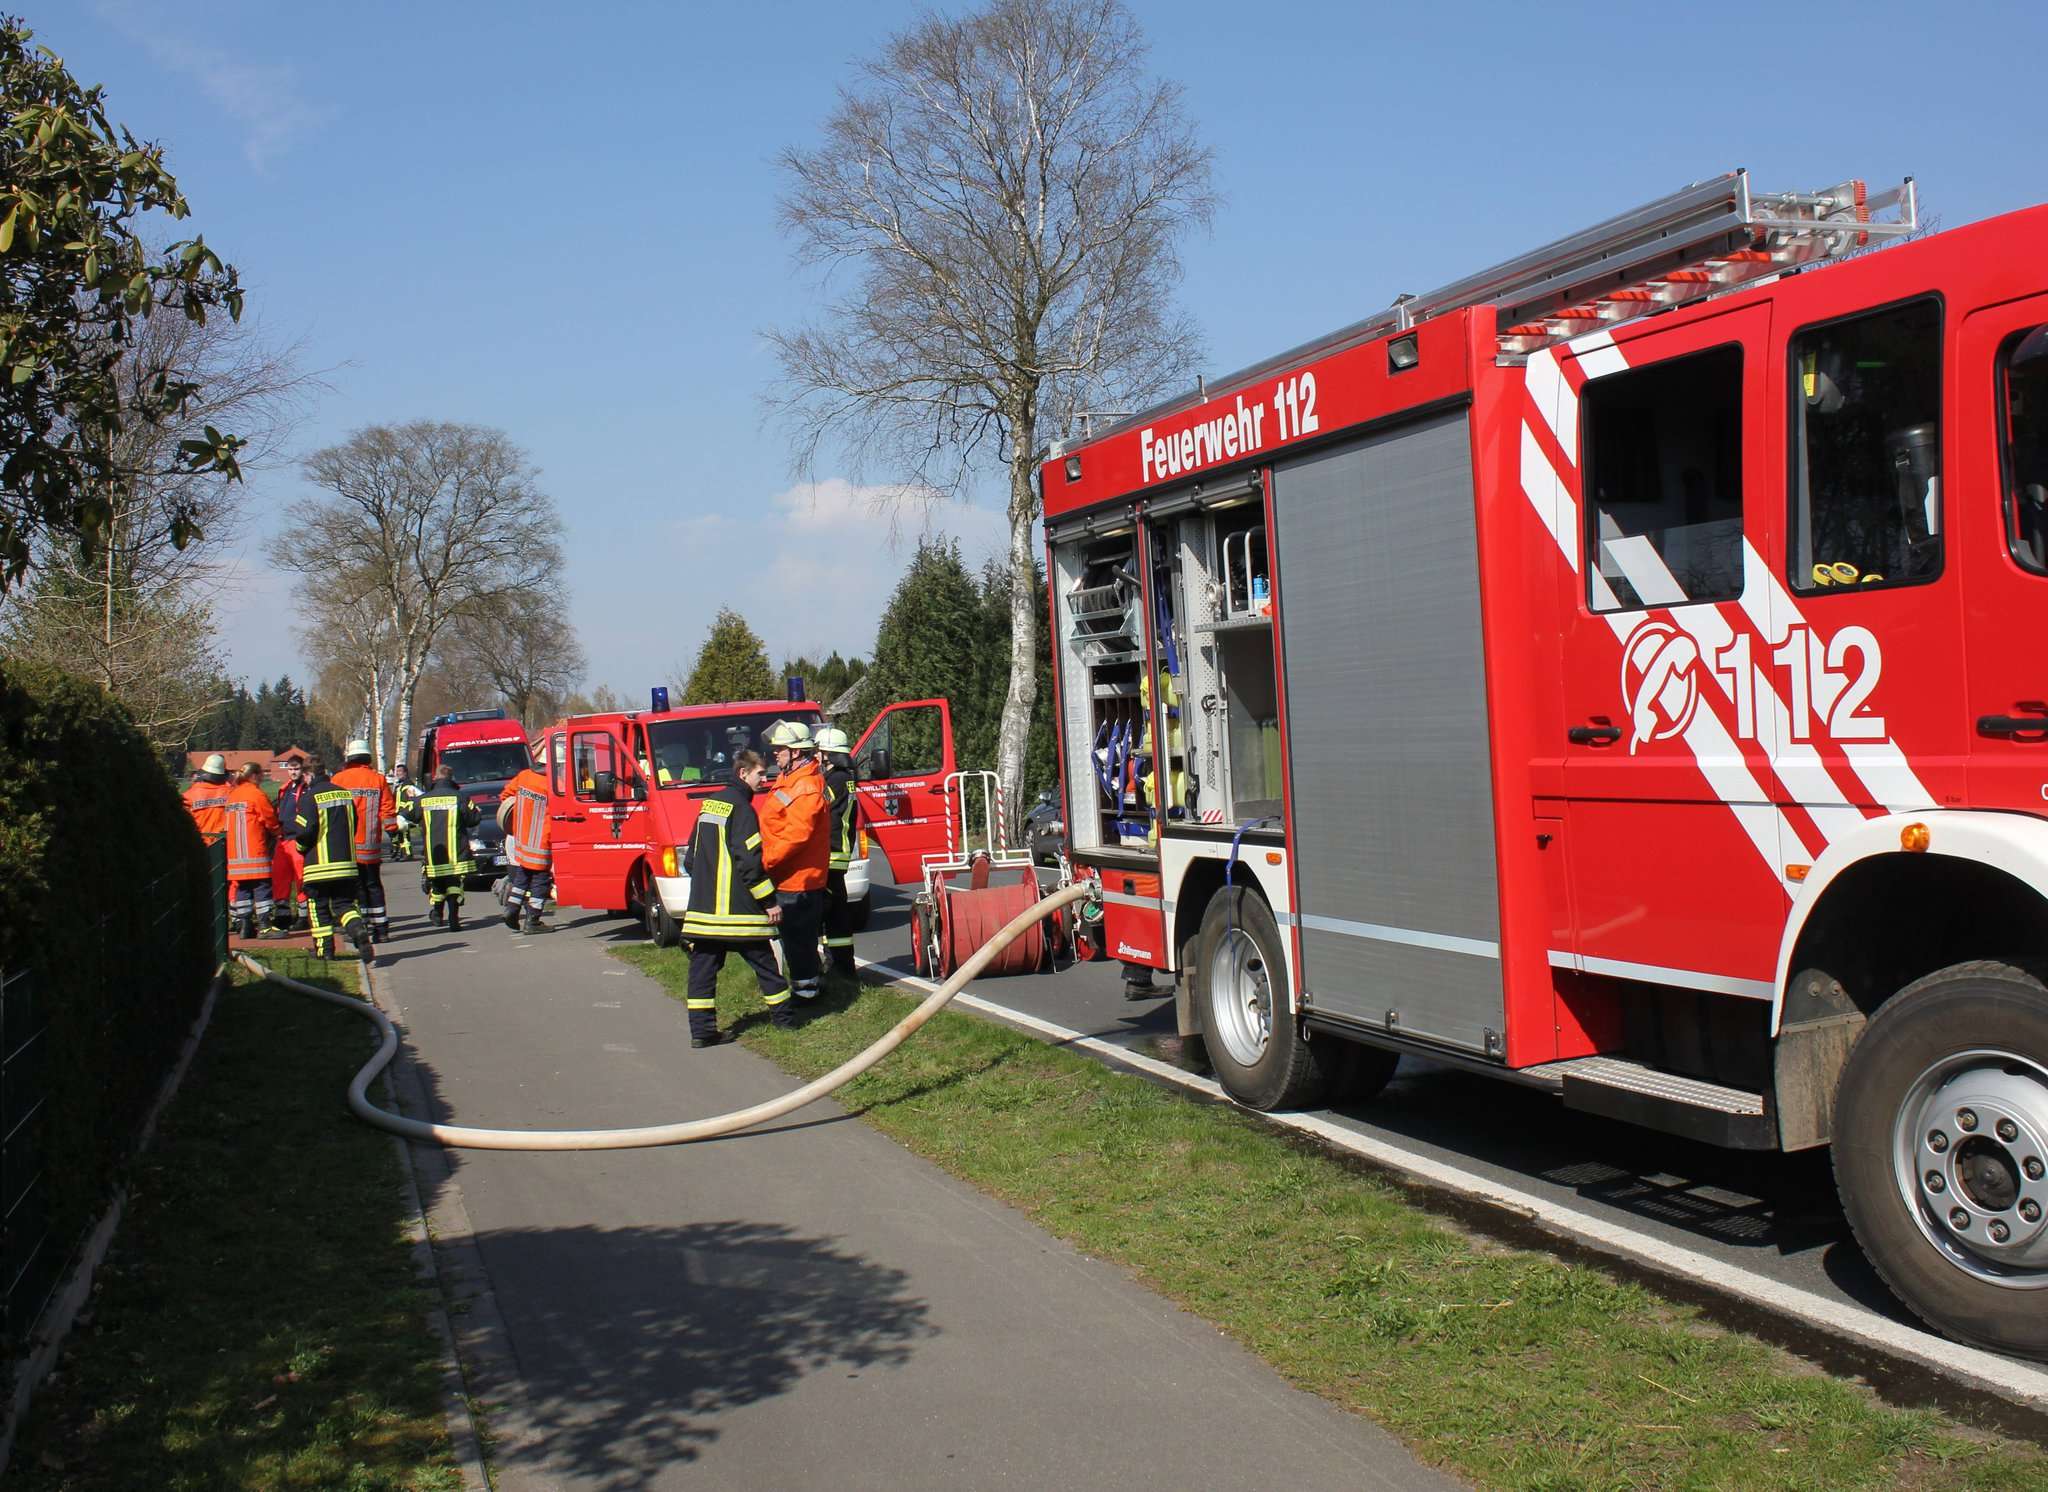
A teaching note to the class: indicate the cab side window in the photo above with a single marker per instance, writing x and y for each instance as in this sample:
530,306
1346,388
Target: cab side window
593,753
2023,441
1866,450
1663,482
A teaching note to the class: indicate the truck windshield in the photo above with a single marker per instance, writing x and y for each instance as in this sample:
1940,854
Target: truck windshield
702,749
486,761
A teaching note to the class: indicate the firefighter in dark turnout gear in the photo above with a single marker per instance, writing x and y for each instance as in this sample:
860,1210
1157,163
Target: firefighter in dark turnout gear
732,902
844,808
376,817
445,821
325,827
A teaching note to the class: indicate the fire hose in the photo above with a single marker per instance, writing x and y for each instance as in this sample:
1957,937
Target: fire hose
465,1137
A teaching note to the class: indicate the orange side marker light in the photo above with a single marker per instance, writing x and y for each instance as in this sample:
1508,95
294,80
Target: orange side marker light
1915,838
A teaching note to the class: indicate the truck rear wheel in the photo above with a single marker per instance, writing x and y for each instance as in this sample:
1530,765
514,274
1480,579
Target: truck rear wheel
1941,1152
1261,1055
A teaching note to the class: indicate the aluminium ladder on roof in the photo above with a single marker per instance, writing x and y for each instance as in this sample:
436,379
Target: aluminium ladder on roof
1702,240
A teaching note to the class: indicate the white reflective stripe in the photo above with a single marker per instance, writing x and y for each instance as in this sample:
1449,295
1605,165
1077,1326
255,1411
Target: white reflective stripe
1549,497
1411,937
1884,770
1719,984
1597,354
1555,401
1125,899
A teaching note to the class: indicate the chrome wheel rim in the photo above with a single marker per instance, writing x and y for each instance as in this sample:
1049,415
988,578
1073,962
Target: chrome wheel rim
1241,997
1970,1157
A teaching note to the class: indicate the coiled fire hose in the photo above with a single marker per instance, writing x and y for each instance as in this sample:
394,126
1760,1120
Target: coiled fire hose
463,1137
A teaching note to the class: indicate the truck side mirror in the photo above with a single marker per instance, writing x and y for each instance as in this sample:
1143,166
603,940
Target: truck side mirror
875,764
604,788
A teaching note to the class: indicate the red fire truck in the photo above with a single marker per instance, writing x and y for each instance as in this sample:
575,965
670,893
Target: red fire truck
1612,672
624,789
480,745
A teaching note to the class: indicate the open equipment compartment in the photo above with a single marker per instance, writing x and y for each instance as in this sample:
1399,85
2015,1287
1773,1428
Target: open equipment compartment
1107,699
1214,630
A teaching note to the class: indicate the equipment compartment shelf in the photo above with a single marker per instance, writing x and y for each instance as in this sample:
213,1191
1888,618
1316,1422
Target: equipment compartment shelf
1235,624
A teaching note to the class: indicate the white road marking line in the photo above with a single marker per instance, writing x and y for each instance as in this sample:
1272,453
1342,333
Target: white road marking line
604,1004
1979,1369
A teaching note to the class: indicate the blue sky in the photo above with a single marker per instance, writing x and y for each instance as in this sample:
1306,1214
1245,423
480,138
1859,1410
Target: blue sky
561,221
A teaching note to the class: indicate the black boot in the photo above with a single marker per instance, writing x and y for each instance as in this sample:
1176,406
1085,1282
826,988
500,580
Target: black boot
512,915
781,1016
455,916
709,1038
435,913
360,936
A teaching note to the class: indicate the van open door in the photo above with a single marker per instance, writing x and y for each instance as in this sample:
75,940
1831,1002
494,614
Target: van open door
598,815
902,763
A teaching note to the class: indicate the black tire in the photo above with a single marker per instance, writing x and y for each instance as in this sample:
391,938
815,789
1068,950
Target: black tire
1953,1011
662,930
858,912
1289,1072
1362,1072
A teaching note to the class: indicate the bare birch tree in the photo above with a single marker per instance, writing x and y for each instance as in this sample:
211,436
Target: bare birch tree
1010,190
347,636
437,520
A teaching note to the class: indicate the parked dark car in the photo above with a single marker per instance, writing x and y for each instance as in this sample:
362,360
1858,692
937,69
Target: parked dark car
1045,835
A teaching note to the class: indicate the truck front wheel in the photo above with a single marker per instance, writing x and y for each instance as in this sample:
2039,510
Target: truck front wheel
1259,1051
1941,1152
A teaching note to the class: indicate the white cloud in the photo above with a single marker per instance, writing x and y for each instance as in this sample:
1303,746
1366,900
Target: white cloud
263,97
811,569
822,568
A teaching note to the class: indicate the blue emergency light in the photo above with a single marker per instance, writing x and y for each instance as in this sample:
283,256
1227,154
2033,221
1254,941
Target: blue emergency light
659,700
796,688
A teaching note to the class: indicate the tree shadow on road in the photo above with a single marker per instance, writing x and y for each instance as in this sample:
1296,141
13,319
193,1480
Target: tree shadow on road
636,1342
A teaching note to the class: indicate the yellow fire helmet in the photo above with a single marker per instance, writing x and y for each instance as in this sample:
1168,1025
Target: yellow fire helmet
791,733
832,738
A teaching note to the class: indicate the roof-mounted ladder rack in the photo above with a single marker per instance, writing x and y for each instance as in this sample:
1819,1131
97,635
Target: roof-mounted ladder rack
1704,240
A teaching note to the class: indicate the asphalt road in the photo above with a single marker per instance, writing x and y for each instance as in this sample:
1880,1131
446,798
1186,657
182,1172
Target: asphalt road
1775,1215
804,1306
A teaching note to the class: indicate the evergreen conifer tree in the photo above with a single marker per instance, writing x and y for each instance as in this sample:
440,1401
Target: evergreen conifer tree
732,664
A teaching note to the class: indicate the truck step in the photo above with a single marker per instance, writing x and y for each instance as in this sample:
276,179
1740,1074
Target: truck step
1621,1089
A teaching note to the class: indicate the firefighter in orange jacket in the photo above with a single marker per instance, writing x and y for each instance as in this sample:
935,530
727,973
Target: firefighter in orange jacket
376,817
796,846
252,836
523,811
206,799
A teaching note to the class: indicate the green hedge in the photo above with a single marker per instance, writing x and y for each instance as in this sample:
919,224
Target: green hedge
106,894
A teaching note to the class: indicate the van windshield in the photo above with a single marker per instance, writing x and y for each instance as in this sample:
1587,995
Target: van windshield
701,749
486,761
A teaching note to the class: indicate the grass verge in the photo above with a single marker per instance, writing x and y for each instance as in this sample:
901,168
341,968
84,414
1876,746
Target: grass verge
1510,1367
257,1323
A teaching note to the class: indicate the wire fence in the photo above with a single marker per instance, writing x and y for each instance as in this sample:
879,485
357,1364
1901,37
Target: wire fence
32,1254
